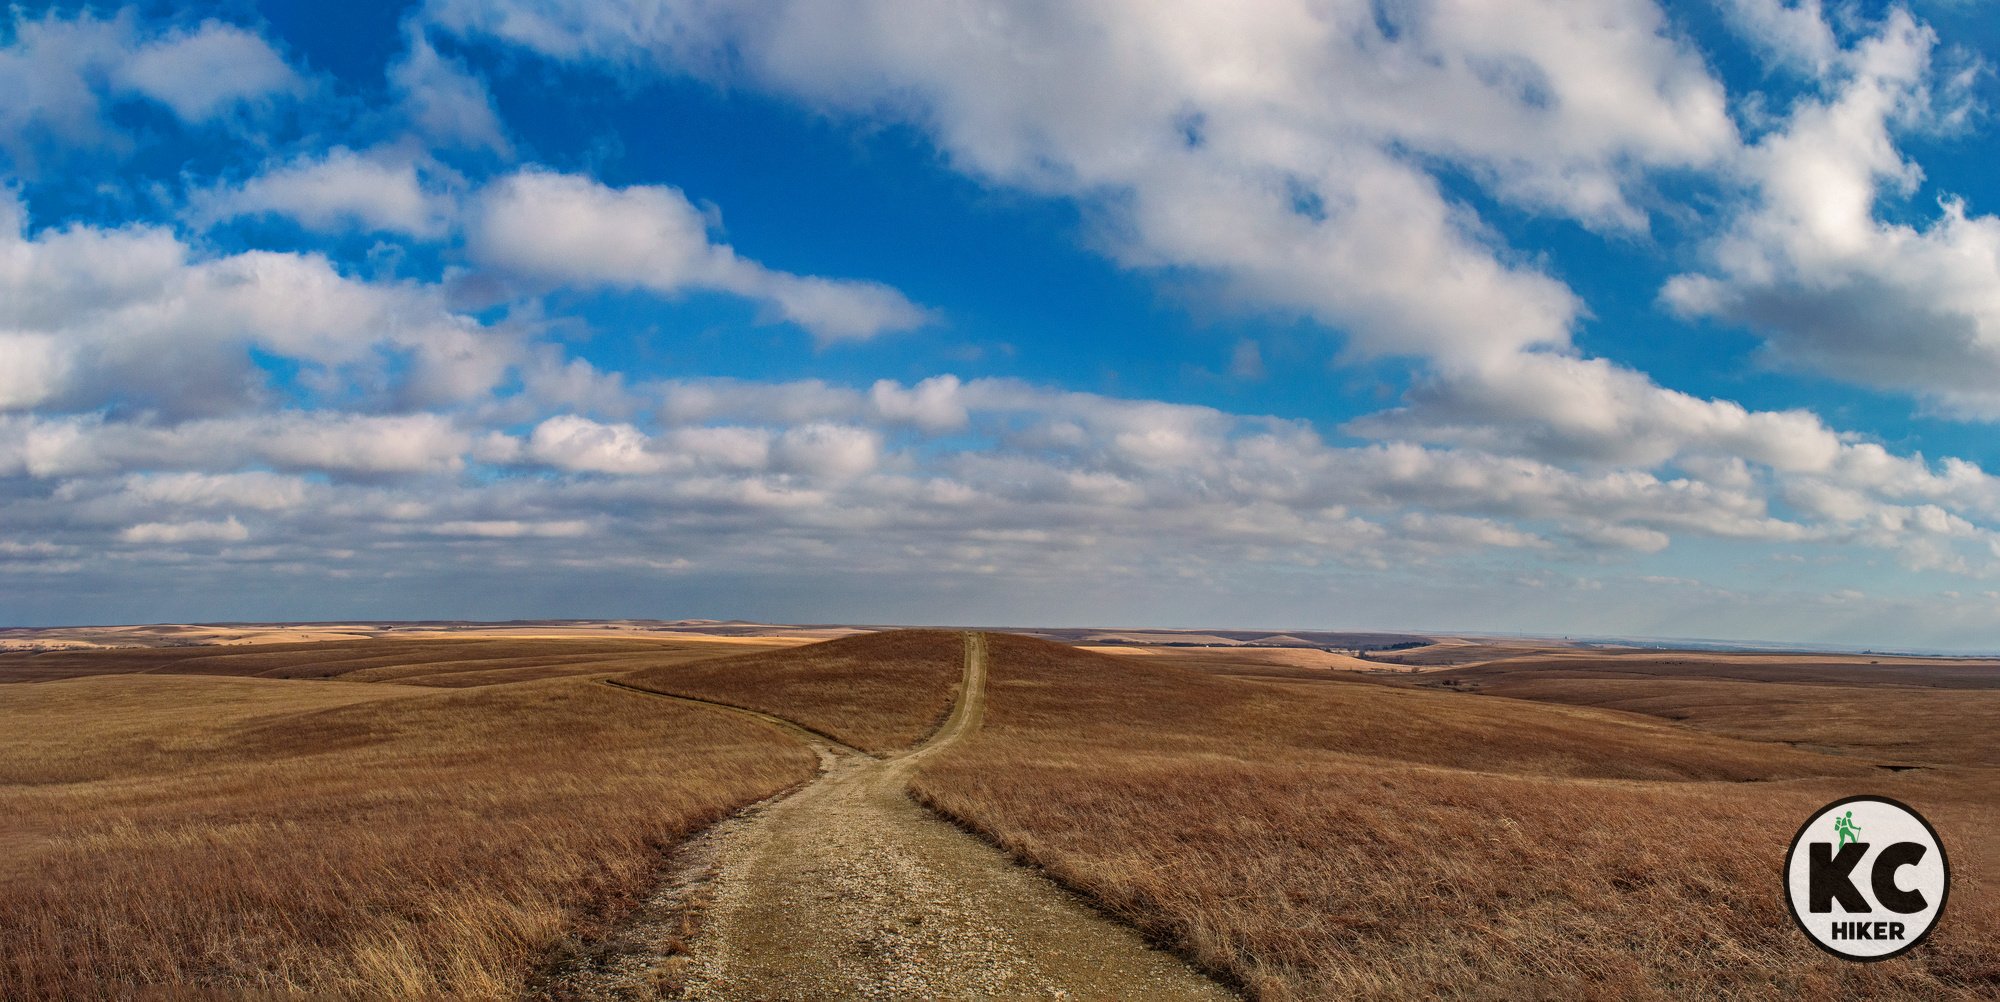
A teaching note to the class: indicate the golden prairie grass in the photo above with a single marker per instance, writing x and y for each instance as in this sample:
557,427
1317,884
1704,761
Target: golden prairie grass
1345,839
181,836
444,662
876,691
1912,714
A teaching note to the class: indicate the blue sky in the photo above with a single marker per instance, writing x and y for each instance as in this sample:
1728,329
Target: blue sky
1602,318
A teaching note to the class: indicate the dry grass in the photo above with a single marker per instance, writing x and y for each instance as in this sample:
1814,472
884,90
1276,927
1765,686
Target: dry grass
1895,711
879,692
222,822
181,835
1346,839
443,662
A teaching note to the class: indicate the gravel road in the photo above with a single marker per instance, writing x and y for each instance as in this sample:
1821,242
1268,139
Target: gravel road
846,889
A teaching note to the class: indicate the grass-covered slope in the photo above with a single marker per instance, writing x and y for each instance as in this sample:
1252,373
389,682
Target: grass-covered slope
186,836
1343,839
879,692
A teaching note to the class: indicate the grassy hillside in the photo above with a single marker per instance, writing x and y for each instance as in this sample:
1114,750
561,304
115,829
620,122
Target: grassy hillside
876,691
183,834
1341,838
444,662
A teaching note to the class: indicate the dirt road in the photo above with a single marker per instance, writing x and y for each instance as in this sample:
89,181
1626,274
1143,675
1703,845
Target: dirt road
845,889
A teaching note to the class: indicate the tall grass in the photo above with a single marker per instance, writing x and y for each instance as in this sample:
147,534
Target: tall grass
1343,839
180,835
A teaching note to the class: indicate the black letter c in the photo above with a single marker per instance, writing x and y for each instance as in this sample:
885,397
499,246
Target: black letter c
1883,878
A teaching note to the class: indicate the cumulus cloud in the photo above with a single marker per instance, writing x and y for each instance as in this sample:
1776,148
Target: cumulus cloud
933,404
445,101
262,413
319,441
512,529
828,450
51,74
203,73
1572,410
1301,184
1793,33
566,229
61,74
1835,287
340,190
792,402
254,489
133,317
226,531
569,442
1034,482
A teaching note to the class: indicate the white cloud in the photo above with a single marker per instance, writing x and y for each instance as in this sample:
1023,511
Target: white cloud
1573,410
1795,33
932,404
513,529
257,490
202,74
1280,147
728,447
32,366
566,229
339,190
1622,537
829,450
50,74
330,442
569,442
1033,485
446,103
403,443
1836,288
60,74
1288,150
175,533
131,316
794,402
1305,157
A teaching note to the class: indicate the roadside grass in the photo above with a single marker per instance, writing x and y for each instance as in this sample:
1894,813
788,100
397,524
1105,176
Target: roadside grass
185,836
880,692
1347,839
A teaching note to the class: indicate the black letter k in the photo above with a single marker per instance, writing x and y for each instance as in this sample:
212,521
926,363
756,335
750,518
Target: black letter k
1830,877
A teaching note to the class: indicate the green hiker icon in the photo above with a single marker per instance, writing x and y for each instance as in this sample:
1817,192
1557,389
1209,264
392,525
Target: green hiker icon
1845,828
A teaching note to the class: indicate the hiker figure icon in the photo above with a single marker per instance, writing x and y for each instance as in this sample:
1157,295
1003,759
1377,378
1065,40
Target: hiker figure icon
1845,829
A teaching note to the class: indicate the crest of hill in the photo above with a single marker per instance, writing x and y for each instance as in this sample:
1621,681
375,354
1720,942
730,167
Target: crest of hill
879,692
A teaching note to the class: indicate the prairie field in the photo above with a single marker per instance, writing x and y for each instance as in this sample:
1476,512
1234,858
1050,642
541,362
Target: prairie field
459,816
445,662
1338,837
186,834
